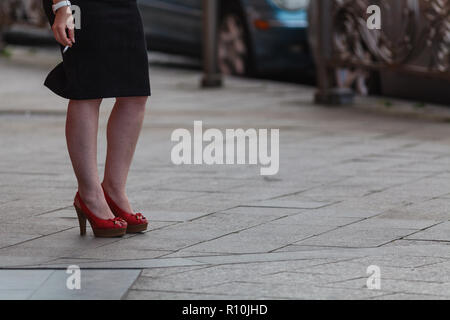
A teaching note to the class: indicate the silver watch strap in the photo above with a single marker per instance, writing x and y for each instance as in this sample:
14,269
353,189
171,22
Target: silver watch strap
59,5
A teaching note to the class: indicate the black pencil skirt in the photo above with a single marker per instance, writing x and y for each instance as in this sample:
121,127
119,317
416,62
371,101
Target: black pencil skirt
109,58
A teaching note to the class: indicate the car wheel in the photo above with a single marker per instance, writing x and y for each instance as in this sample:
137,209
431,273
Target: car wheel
233,48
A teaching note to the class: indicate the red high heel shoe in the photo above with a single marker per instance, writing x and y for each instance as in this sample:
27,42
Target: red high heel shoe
110,228
136,222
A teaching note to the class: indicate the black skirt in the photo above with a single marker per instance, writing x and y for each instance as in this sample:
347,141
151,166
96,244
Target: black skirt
109,58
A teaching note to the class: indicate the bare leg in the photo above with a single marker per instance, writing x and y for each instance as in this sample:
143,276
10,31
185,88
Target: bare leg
124,127
81,135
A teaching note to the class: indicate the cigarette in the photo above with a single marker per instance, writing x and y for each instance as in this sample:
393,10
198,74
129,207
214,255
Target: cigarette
65,49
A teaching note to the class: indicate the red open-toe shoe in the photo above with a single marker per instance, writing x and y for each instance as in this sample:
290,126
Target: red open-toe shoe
136,222
110,228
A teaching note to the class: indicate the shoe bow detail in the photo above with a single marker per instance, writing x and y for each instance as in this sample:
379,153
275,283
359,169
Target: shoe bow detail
140,216
118,221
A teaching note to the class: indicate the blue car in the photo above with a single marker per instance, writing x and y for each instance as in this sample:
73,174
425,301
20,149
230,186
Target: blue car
255,36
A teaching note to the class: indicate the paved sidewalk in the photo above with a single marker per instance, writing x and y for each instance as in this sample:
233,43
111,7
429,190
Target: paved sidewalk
356,188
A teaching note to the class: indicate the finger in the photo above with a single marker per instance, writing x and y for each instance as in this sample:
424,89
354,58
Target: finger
72,35
71,27
63,36
55,34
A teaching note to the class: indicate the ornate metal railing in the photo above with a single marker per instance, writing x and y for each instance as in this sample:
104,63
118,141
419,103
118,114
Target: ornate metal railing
22,11
414,38
27,12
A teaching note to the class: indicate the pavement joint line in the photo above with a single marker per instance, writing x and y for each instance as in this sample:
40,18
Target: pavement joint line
125,294
85,265
397,185
9,201
191,191
325,232
428,240
77,258
41,284
36,238
52,211
384,295
281,260
51,267
442,196
410,293
399,166
421,230
403,292
414,280
204,241
200,267
382,292
229,282
183,292
393,240
289,194
312,272
346,280
194,260
300,208
172,223
334,262
221,236
349,224
328,247
211,213
93,260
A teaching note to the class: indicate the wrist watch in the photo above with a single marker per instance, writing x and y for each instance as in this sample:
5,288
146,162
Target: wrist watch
59,5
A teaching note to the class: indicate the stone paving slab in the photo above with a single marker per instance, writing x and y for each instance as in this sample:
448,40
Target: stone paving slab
51,285
356,188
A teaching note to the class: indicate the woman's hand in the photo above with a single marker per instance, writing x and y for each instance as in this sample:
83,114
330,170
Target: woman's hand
64,27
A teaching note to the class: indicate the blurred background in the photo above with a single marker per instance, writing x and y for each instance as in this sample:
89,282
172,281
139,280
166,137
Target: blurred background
260,38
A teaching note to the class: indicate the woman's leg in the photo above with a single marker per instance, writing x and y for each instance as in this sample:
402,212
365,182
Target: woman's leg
81,135
124,127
